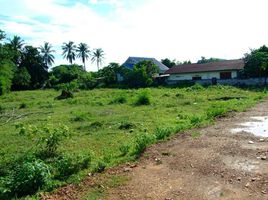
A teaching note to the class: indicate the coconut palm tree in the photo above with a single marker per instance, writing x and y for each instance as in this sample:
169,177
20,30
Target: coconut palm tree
97,56
83,53
46,52
16,43
69,51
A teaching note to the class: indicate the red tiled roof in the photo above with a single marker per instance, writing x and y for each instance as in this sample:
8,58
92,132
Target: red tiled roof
207,67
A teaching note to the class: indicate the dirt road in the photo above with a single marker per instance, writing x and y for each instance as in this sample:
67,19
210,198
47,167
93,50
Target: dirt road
217,165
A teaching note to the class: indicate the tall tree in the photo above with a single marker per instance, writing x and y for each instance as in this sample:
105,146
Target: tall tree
168,62
98,57
83,53
2,35
46,52
16,44
69,51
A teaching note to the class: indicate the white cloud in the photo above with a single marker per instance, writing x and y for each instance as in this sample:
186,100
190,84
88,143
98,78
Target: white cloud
181,29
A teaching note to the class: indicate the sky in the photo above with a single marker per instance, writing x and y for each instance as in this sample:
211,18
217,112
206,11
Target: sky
174,29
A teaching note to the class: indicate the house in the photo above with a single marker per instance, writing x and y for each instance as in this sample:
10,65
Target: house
221,70
131,61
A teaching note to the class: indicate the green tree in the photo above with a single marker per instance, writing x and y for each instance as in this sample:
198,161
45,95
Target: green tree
69,51
109,73
16,44
22,79
141,75
83,53
33,62
256,62
2,35
98,57
204,60
46,53
168,62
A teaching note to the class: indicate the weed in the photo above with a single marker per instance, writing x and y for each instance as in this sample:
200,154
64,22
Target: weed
119,99
99,167
124,149
143,98
142,140
162,133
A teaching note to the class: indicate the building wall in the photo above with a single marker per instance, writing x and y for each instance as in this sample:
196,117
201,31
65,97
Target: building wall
203,75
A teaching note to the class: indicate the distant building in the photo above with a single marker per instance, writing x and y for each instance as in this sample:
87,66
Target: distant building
221,70
131,61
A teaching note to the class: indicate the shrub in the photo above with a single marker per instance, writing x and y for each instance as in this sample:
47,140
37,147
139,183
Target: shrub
48,138
162,133
65,165
143,98
119,100
196,120
28,177
195,87
124,149
141,142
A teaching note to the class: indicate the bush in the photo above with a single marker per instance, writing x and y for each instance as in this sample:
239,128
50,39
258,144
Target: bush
162,133
66,166
141,142
99,167
28,177
195,87
143,98
217,111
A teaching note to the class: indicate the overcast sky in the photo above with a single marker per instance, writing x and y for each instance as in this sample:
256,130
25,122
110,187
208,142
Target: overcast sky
176,29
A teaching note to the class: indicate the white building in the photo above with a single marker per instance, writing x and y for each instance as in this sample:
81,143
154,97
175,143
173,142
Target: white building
227,69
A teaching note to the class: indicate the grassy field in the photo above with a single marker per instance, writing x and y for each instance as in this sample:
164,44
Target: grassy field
109,124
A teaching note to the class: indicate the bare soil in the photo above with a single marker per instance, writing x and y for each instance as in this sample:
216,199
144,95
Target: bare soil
216,165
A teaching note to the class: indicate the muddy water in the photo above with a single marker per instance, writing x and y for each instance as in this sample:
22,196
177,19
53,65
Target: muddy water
258,126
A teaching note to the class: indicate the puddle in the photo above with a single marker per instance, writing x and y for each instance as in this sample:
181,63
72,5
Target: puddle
258,126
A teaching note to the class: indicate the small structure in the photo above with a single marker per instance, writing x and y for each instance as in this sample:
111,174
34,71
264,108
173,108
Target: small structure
221,70
131,61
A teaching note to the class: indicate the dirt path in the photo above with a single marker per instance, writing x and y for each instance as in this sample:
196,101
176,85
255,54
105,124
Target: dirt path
216,165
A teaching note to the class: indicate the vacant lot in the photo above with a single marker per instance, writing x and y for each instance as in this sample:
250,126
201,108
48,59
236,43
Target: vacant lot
110,124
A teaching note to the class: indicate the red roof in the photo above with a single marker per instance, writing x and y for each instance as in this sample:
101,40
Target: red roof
207,67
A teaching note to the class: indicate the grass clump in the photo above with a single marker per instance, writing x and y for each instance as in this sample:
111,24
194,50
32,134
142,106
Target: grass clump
126,126
124,149
121,99
143,98
23,105
142,141
162,133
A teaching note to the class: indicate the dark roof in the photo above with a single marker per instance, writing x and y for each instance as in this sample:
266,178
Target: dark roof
207,67
131,61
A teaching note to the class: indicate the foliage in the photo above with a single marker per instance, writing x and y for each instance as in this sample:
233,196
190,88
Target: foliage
108,74
208,60
66,165
6,75
33,62
83,53
28,177
124,149
142,140
163,133
120,99
47,137
22,79
256,63
46,53
168,62
69,51
143,98
141,75
97,56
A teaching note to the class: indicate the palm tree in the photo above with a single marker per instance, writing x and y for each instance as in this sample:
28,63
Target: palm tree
16,43
69,51
97,56
83,53
46,53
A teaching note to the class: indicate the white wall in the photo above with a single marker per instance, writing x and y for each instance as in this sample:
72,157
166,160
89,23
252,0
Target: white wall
204,75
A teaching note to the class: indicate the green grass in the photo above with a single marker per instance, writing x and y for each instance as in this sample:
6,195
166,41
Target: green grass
100,128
